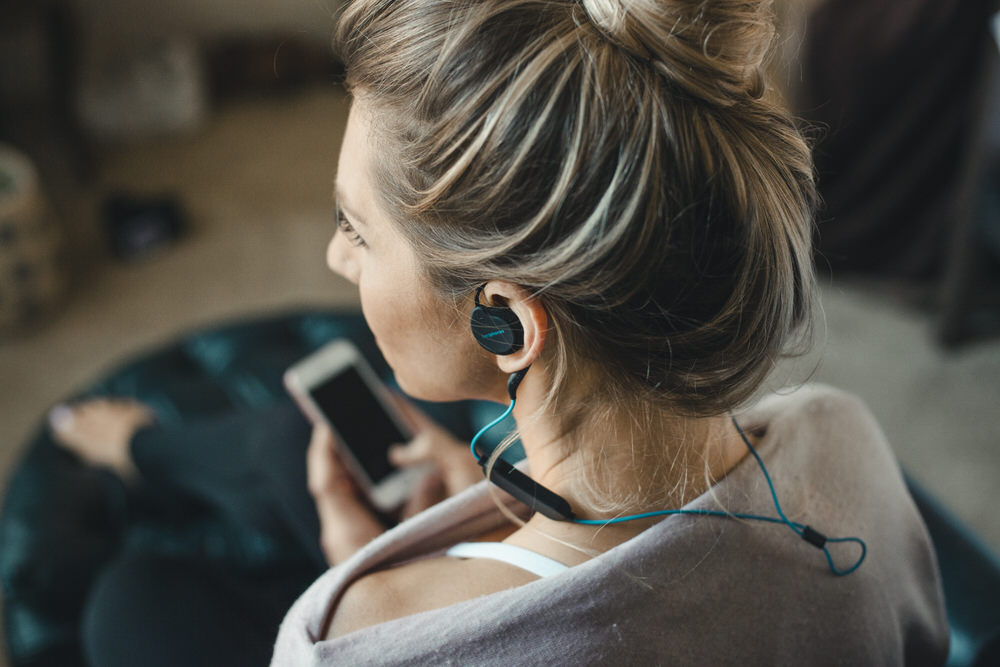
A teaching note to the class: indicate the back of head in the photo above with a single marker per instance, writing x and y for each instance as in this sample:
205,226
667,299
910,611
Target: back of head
623,159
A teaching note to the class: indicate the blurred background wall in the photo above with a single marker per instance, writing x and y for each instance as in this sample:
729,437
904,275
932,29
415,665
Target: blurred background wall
110,23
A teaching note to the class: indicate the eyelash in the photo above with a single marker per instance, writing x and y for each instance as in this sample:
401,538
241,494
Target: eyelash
348,230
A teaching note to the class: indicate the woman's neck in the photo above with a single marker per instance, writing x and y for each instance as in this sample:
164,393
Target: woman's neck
637,458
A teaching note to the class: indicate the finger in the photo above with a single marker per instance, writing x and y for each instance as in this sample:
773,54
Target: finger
460,472
429,491
346,525
336,497
317,466
417,418
324,472
416,451
61,417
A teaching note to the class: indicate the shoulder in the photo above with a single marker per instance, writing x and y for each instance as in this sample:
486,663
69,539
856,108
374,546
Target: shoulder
811,397
815,407
830,440
419,586
369,600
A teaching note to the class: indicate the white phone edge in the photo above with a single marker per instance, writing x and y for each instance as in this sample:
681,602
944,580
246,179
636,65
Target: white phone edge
326,362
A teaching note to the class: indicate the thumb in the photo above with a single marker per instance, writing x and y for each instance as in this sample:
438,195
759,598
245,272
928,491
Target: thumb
430,491
411,412
415,452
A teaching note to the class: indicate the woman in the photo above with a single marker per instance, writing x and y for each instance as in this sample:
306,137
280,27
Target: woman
616,176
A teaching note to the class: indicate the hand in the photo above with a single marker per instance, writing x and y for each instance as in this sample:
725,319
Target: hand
453,467
99,431
346,522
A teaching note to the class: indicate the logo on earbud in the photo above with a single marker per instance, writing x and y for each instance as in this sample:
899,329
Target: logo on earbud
496,328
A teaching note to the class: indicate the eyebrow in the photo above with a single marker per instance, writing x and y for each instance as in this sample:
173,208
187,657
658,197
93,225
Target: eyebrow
339,198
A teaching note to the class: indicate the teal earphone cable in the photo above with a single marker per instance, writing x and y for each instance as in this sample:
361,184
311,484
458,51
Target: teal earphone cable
804,531
475,438
807,533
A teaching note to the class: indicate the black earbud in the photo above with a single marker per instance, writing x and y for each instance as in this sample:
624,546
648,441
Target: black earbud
496,328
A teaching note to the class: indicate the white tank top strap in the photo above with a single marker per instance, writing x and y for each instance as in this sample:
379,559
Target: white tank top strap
536,563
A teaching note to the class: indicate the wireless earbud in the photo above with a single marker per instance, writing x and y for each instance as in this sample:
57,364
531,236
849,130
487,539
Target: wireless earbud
496,328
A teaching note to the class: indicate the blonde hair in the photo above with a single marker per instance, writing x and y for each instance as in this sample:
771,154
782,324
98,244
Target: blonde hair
622,159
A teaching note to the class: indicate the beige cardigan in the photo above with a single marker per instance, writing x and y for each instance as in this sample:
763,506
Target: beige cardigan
689,590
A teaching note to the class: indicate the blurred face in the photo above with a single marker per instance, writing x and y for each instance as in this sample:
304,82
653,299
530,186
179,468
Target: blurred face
425,340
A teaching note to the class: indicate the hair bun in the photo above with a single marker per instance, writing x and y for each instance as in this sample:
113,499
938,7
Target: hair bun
612,18
714,49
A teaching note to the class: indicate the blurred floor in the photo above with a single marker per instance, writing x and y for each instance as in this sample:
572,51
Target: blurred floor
257,185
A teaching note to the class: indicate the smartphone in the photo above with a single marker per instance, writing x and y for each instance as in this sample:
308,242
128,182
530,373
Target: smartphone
336,386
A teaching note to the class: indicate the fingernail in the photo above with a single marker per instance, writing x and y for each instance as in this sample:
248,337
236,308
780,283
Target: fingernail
61,417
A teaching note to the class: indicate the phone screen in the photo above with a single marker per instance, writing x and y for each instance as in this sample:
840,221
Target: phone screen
349,405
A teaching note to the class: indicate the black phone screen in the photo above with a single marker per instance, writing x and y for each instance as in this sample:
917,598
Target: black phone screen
361,422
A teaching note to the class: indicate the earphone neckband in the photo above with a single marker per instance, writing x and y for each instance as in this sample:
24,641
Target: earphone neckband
537,497
498,330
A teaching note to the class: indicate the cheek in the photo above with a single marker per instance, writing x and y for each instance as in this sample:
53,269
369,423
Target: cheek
380,305
392,301
387,302
433,357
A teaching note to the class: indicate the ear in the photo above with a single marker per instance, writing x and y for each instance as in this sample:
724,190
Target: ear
533,317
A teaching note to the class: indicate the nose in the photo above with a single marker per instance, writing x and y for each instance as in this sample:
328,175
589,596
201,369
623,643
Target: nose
342,259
